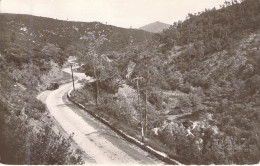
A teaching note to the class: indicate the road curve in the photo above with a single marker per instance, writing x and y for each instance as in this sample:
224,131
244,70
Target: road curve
97,141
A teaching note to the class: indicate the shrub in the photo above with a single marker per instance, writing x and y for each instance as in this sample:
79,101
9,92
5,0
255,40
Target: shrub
156,99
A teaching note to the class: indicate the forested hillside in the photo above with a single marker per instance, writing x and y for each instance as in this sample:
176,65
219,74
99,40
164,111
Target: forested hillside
32,52
213,30
194,88
198,84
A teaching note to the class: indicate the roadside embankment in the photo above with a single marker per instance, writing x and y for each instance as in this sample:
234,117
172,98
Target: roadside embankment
160,155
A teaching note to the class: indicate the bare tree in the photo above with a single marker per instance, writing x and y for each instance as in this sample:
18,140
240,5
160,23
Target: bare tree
93,44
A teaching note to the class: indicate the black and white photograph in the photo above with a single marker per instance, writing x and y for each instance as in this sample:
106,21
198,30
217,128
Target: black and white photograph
129,82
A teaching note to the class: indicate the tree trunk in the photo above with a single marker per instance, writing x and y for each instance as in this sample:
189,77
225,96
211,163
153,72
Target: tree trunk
97,92
97,87
72,77
146,112
139,104
141,114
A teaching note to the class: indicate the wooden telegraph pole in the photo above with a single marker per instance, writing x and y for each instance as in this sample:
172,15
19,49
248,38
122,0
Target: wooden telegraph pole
72,76
136,80
146,104
146,112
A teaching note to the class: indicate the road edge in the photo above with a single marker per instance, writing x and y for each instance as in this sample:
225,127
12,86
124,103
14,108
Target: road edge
160,155
60,129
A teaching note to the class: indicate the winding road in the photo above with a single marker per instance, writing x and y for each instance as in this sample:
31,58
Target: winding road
100,144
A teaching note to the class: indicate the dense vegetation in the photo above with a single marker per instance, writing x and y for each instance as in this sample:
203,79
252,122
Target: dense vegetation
213,30
197,94
200,85
32,52
26,132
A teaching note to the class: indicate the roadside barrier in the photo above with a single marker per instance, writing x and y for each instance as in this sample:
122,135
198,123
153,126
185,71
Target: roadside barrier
160,155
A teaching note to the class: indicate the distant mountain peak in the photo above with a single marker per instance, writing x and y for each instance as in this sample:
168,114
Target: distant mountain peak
155,27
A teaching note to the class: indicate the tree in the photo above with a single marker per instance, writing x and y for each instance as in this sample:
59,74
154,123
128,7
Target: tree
147,76
93,46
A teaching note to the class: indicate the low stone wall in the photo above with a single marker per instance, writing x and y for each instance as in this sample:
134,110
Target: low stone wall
160,155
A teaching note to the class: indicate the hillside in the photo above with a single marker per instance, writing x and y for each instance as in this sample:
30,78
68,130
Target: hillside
32,53
213,58
198,82
193,88
63,33
155,27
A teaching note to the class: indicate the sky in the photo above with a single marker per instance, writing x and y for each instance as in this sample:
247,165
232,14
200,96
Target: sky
122,13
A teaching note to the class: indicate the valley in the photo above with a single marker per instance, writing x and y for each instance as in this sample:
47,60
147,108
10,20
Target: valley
190,92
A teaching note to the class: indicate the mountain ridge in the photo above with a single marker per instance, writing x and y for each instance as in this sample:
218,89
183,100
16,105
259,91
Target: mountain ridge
155,27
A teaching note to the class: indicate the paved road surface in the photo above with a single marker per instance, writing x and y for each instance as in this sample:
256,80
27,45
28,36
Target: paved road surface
101,145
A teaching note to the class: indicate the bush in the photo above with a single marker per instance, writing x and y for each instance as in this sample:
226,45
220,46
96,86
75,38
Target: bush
156,99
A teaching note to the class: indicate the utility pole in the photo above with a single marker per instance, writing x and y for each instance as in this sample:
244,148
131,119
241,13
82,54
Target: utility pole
146,112
136,80
72,76
146,103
